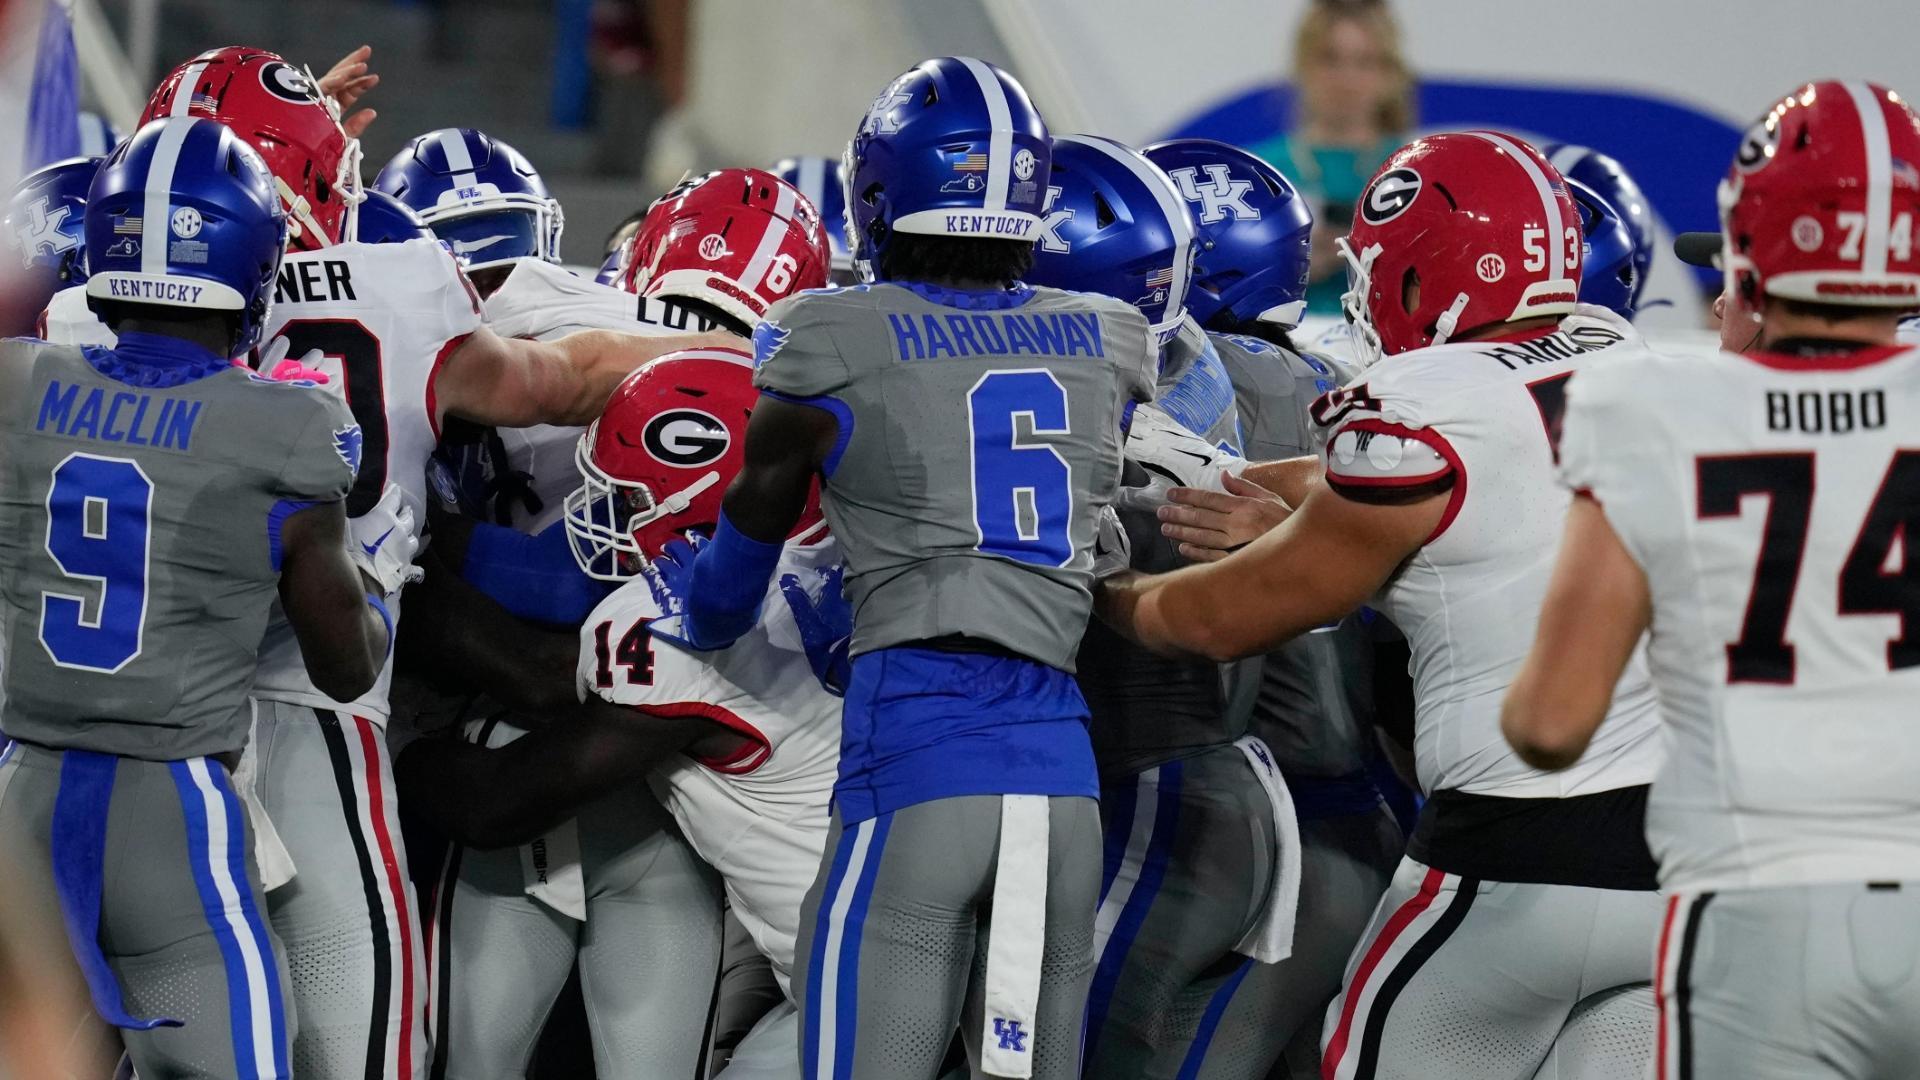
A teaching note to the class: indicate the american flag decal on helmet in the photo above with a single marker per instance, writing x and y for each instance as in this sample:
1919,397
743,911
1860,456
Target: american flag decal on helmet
1160,278
971,163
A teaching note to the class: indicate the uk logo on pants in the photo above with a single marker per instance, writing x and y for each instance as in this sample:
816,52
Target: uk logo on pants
1010,1034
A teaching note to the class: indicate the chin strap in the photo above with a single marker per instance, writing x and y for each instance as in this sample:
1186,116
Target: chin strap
300,220
1449,320
675,503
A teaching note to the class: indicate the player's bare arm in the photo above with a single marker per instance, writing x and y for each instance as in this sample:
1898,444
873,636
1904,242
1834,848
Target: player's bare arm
1209,525
491,798
1596,610
453,627
1321,563
514,382
785,445
1289,478
342,638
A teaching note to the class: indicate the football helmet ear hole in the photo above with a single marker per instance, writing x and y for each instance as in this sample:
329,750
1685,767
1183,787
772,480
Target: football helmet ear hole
1410,292
1103,214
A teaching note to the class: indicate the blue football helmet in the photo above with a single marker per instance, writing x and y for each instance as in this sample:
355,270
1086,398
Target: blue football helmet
1254,233
1608,179
824,182
45,225
1115,225
1609,275
185,214
953,147
478,194
384,219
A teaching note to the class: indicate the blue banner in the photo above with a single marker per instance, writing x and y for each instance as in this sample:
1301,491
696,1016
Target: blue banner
53,109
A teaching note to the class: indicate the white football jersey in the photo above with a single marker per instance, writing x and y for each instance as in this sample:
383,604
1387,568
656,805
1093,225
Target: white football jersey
1909,331
760,817
1484,413
383,317
69,321
542,301
1769,500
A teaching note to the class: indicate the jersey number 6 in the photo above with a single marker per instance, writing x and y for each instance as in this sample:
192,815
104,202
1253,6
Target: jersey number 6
1022,487
99,524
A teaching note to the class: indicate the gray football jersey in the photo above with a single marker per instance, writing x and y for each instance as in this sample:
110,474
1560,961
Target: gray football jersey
1314,704
139,525
1148,709
980,436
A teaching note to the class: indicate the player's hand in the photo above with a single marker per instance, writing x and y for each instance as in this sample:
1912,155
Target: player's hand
1174,457
826,626
382,542
348,79
1209,525
275,364
669,577
1112,547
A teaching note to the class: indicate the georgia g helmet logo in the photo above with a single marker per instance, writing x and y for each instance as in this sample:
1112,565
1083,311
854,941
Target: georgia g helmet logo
1758,145
1389,196
685,438
288,83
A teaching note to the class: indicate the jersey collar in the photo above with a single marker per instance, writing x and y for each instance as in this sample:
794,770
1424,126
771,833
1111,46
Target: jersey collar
154,360
971,299
1823,354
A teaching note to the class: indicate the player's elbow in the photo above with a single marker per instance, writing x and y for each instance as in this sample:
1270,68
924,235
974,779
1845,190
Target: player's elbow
346,676
1536,739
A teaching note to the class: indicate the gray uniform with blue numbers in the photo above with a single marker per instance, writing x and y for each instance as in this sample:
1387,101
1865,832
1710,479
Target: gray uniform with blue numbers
950,528
979,438
140,502
1313,707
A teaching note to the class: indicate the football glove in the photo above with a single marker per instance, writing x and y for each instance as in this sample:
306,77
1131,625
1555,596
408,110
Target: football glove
1174,457
826,626
381,543
669,577
1112,547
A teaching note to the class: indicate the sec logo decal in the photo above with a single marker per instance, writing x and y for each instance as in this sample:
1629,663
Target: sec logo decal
685,438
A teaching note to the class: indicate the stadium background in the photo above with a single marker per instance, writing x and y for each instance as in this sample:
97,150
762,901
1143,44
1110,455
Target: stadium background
614,99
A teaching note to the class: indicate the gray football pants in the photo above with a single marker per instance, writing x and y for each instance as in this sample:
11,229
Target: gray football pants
1460,979
649,950
349,919
896,931
1346,863
1190,849
181,920
1816,982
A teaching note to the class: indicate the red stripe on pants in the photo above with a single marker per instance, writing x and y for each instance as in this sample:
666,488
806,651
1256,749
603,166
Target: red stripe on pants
1407,912
376,809
1660,989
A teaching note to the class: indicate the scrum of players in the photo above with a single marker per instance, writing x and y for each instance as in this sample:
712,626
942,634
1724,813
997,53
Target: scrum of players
938,612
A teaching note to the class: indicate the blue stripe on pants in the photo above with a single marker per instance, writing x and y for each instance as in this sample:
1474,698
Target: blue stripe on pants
858,853
78,840
1116,811
1153,868
1210,1021
229,861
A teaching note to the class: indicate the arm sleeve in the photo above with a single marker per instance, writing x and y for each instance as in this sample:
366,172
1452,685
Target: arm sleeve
795,352
534,577
325,456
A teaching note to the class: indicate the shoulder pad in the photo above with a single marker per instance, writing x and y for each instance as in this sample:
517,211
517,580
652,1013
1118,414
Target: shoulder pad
1372,453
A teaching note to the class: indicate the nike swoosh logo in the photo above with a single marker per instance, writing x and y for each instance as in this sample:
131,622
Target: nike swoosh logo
374,548
462,247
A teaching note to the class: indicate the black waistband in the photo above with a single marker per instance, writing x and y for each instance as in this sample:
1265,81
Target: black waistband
1596,841
964,643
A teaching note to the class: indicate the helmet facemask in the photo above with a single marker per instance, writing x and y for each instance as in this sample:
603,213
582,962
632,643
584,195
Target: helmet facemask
604,516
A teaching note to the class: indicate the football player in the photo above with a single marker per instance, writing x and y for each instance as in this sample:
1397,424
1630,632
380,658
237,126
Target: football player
823,181
156,499
965,431
42,227
741,745
481,196
1750,511
397,329
637,891
1192,813
1313,699
1435,504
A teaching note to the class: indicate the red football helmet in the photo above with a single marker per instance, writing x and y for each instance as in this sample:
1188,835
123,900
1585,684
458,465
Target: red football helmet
660,457
1456,232
1822,198
278,109
739,239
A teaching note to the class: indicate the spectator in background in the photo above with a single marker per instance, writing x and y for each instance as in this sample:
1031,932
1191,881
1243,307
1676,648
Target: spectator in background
1352,105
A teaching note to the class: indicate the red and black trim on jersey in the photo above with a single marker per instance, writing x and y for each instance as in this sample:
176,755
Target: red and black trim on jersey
751,754
1407,479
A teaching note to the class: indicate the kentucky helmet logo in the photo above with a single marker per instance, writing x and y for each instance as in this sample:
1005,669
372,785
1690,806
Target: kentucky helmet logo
1220,196
880,115
43,232
1050,223
346,443
767,339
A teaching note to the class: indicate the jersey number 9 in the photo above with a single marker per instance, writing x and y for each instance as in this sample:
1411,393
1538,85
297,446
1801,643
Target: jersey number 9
99,523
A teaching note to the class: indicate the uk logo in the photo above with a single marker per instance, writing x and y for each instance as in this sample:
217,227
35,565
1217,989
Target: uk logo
1011,1035
880,118
346,443
1050,238
1221,195
42,234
